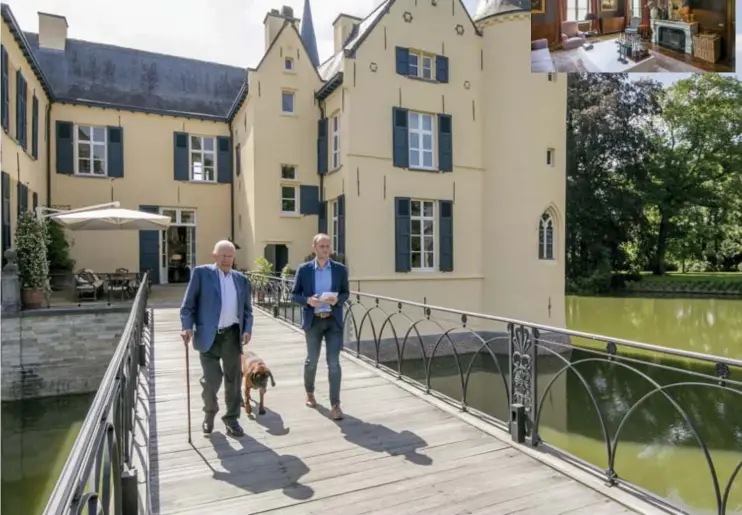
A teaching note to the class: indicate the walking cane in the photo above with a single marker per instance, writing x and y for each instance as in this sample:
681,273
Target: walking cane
188,390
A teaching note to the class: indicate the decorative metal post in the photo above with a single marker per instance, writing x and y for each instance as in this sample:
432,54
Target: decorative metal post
11,284
522,353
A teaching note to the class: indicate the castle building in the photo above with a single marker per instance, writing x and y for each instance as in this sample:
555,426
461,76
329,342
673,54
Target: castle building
424,146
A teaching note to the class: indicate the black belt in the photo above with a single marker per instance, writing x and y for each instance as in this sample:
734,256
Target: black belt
225,330
323,314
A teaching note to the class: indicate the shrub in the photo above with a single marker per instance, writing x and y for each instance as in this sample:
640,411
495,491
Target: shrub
31,245
58,249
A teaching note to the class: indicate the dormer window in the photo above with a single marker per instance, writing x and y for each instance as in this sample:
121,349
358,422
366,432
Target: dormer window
288,64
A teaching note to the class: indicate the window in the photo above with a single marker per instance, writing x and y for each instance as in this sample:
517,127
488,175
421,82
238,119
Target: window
335,141
288,199
90,148
421,140
288,172
422,234
577,9
289,192
288,64
636,8
335,226
546,237
287,102
203,162
550,156
421,65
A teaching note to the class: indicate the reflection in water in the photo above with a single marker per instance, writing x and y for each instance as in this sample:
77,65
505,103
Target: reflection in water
710,326
37,436
657,450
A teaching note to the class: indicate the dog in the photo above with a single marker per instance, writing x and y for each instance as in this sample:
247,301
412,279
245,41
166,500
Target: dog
255,375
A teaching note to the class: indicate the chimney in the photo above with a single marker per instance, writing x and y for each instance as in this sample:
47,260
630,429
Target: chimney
52,31
343,26
274,21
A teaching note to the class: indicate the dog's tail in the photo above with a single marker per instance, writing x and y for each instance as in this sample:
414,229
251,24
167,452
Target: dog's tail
273,382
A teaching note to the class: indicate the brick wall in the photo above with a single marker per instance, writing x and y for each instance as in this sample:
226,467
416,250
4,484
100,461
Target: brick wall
57,352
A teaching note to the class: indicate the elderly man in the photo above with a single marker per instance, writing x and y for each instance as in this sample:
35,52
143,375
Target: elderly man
322,317
217,305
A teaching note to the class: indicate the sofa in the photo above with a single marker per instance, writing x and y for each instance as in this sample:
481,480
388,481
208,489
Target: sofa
541,61
571,37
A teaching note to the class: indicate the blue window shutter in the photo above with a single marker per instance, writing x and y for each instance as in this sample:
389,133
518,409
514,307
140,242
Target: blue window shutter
35,201
18,197
238,159
402,240
445,235
400,138
24,196
441,68
180,156
308,200
445,143
224,160
5,87
322,146
20,109
322,218
115,151
5,213
35,127
65,148
149,249
341,226
403,60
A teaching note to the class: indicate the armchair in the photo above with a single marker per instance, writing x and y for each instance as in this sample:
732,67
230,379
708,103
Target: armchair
634,24
571,37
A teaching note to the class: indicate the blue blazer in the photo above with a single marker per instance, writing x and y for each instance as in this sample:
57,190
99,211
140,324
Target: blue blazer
202,305
304,288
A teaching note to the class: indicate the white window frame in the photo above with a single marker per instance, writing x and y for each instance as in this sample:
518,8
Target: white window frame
179,215
635,8
577,10
420,132
293,102
288,64
422,218
92,144
292,182
423,66
545,222
334,226
203,154
335,141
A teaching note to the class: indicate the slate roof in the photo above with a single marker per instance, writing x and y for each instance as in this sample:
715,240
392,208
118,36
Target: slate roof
487,8
307,34
100,74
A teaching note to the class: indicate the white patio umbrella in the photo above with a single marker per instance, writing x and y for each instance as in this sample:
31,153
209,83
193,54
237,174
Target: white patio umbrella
112,219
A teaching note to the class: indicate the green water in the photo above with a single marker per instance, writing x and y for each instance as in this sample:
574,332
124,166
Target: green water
37,436
656,450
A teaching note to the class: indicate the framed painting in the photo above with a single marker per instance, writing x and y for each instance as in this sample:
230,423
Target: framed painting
608,5
539,6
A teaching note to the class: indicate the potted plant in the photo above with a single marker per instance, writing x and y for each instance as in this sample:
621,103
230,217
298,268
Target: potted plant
287,275
260,277
33,266
58,254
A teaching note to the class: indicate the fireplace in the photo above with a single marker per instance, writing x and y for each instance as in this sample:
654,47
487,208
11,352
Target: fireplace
672,38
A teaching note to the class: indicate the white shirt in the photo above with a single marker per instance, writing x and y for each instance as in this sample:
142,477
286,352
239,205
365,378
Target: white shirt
228,314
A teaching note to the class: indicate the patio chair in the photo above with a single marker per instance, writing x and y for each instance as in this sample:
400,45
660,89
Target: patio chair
121,283
88,284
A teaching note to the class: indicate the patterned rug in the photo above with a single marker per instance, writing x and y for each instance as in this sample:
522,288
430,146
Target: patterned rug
569,61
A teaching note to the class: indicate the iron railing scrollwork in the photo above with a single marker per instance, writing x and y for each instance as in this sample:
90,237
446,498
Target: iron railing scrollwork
99,475
531,360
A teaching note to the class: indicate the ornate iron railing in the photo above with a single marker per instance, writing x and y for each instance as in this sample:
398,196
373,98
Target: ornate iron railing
99,476
407,340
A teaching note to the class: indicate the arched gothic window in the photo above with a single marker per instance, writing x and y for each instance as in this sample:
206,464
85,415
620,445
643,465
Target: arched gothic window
546,237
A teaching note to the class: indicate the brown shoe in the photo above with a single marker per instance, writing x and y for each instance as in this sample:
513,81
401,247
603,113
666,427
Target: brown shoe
310,402
336,413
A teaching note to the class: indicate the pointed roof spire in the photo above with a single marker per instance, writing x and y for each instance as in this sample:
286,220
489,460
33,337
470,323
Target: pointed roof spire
307,34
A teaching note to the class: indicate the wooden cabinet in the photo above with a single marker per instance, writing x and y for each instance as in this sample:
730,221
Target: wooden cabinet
611,25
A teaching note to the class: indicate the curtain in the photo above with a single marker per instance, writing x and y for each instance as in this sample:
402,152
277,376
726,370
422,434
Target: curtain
626,12
594,5
561,14
645,16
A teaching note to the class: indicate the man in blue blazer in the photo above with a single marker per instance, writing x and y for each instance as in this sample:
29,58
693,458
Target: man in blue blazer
322,318
217,305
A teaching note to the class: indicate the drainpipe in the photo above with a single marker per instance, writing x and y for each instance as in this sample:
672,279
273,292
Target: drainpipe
48,154
231,181
322,176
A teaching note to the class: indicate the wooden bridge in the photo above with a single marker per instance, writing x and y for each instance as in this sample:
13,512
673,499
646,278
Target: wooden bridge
398,451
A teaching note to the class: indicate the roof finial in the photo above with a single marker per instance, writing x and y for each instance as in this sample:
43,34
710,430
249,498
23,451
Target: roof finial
307,34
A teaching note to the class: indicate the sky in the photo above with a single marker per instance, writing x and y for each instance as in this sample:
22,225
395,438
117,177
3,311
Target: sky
228,32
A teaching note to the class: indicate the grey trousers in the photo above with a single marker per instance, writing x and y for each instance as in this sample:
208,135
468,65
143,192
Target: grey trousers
227,348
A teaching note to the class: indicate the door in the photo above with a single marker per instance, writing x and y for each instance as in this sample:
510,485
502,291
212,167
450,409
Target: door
282,257
149,254
164,260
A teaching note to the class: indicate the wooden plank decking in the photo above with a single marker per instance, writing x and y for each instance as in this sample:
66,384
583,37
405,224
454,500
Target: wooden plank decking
394,453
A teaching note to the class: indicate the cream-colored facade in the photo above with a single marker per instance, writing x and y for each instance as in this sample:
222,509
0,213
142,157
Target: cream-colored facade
424,146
